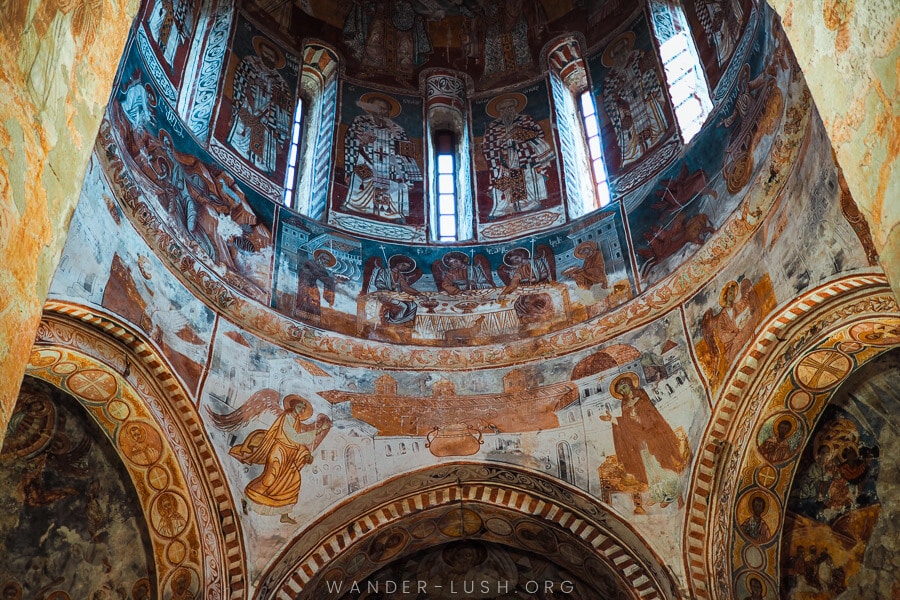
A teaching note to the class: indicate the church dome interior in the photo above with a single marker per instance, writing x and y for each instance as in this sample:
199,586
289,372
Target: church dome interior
418,298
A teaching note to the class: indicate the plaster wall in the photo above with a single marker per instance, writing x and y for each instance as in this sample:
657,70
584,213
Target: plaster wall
59,59
850,54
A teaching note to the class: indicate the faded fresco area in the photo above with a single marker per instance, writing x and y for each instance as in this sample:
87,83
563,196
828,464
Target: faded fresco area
71,525
620,422
838,540
128,280
808,251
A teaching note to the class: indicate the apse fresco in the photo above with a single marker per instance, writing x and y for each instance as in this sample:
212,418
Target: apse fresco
127,280
71,525
378,174
837,524
252,133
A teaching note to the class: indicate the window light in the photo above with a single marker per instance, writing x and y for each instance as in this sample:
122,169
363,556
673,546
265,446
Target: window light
598,167
446,187
290,178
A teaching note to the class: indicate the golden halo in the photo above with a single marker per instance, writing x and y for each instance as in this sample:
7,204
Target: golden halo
630,376
581,250
753,496
724,292
330,260
790,419
365,99
260,42
761,581
613,48
491,108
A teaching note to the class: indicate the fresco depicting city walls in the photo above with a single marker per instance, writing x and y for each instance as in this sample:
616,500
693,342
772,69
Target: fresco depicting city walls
296,435
59,470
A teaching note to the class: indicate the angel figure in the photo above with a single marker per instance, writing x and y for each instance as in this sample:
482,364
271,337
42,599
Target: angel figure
520,268
284,448
399,276
454,273
727,331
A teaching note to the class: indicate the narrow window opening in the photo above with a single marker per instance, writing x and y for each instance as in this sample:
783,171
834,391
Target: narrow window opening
290,177
595,148
447,219
687,84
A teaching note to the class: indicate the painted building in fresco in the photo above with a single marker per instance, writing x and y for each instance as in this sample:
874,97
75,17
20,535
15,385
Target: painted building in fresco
265,369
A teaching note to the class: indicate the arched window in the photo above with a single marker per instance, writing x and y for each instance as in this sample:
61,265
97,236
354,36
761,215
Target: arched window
595,149
564,460
447,220
290,178
687,82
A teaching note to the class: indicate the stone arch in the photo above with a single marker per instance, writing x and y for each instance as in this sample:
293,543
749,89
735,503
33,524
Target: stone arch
797,362
121,380
456,501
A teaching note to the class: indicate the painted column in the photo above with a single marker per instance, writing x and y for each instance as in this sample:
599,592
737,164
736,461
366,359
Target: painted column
850,54
56,71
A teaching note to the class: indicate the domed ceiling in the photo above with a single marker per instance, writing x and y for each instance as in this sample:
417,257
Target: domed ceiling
343,373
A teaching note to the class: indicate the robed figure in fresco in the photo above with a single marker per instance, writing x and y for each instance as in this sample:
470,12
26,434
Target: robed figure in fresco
263,107
633,97
171,24
454,273
379,161
646,447
283,448
518,156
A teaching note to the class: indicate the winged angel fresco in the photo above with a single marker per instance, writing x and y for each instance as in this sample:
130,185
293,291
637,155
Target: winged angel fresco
284,448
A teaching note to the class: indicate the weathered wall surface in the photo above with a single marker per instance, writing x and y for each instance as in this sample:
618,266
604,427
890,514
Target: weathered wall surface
850,53
58,63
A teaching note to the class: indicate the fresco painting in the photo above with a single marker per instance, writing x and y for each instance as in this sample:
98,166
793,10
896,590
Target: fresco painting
220,221
170,25
516,167
69,507
378,173
834,502
129,281
630,94
256,108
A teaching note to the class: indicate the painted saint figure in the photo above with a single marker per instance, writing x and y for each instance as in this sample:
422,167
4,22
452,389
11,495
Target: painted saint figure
518,155
379,161
283,449
727,331
263,107
171,24
633,97
593,269
308,305
399,276
646,447
754,526
454,273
